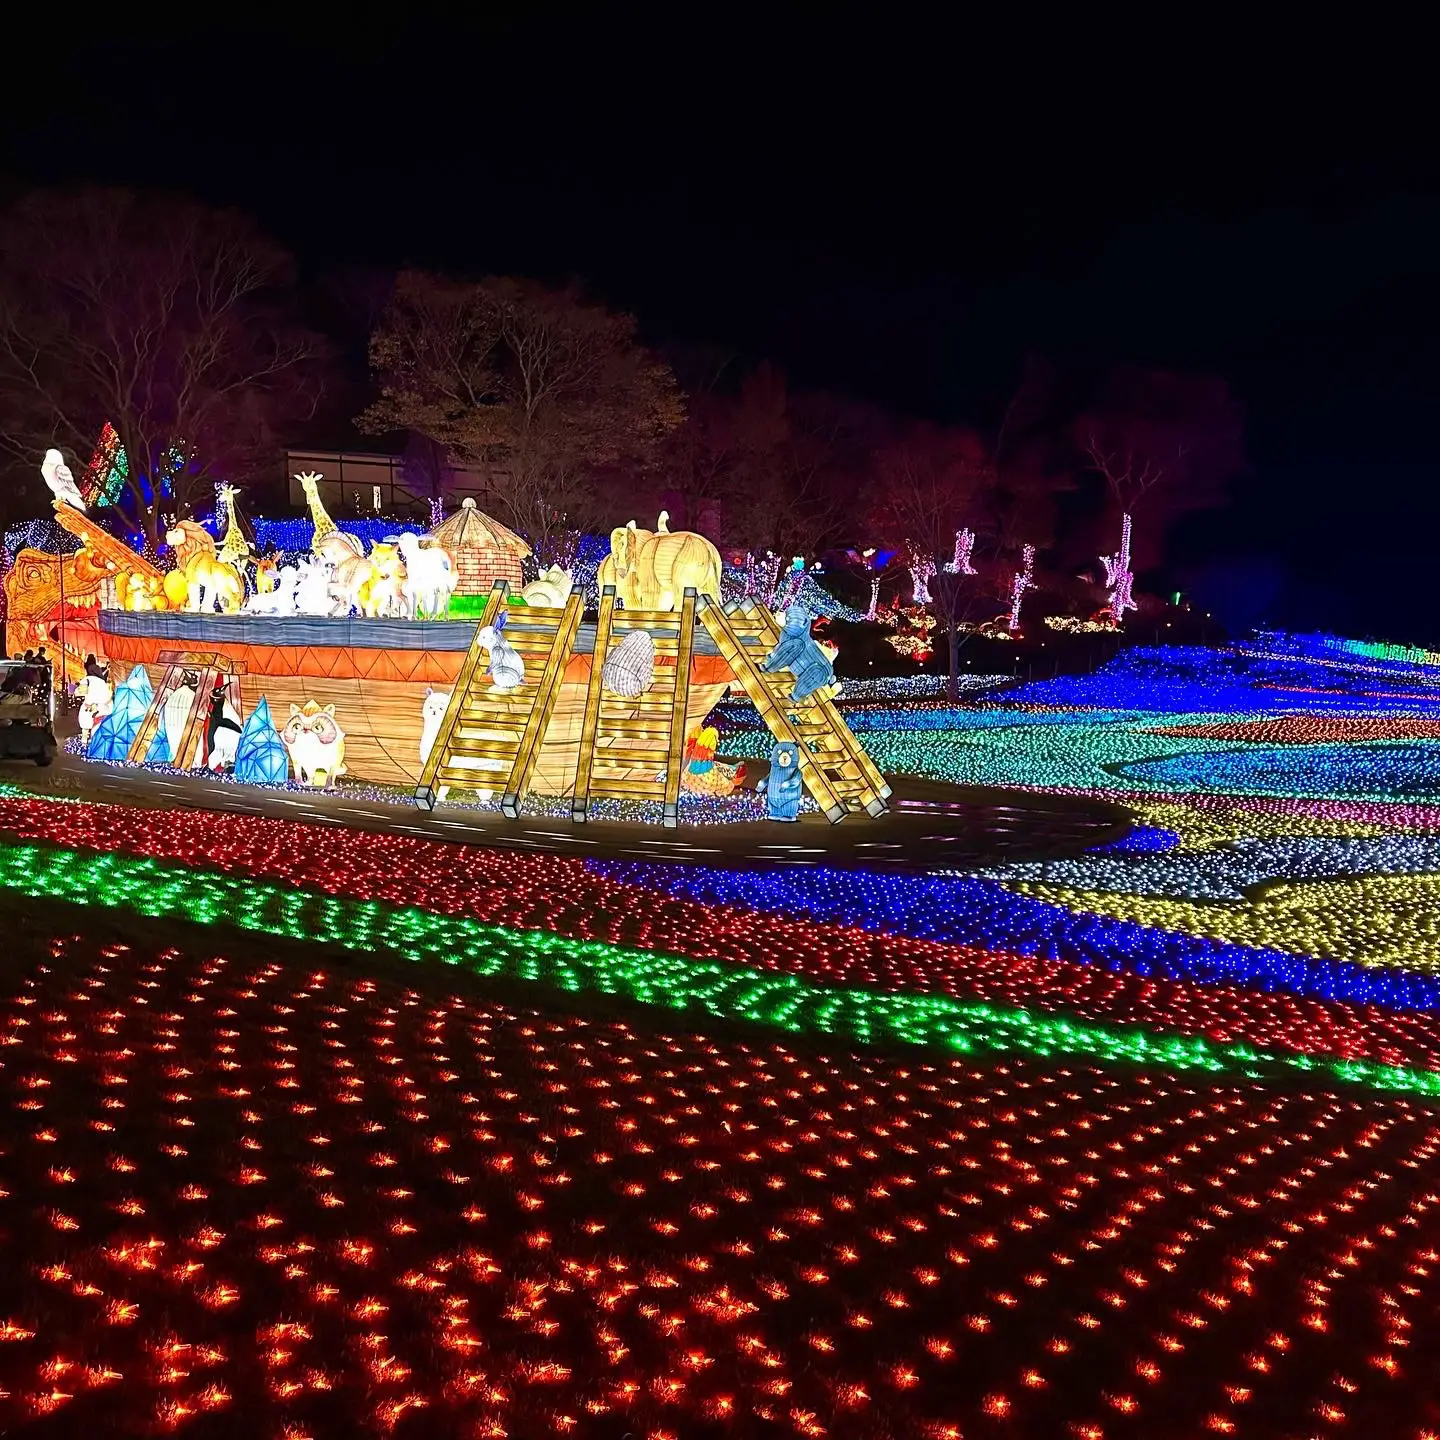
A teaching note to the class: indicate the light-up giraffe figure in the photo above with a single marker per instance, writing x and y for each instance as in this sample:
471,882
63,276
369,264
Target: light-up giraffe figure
235,548
330,542
1119,577
1024,580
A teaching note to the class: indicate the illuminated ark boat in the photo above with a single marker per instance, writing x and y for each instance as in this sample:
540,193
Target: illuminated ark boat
376,673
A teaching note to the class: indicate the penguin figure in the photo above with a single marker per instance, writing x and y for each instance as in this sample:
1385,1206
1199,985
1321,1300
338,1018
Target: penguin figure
222,732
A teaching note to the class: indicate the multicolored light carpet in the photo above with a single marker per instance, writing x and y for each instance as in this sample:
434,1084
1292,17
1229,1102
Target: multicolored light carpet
321,1133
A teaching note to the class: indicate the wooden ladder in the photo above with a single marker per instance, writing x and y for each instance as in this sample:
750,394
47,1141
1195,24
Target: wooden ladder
485,736
206,663
837,772
619,733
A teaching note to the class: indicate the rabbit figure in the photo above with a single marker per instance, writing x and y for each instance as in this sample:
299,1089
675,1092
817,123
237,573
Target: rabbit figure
507,665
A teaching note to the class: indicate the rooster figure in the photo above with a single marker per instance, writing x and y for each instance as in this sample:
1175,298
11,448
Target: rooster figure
703,774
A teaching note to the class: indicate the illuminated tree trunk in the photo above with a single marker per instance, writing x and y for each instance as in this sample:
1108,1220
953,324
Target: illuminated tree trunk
952,689
1024,580
1119,578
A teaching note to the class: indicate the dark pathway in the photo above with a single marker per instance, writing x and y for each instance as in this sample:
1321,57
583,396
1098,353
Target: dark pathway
931,826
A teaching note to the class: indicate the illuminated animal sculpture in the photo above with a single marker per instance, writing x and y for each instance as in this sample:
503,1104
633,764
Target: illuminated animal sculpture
315,743
432,715
618,567
385,595
671,563
222,731
430,577
267,572
329,541
208,582
176,717
96,702
60,480
137,590
655,574
703,773
782,786
552,588
798,653
369,583
33,584
629,669
507,665
279,599
312,589
234,547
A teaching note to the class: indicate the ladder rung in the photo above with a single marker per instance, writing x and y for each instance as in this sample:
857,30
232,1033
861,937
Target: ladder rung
657,699
466,779
483,750
627,789
644,619
489,697
629,755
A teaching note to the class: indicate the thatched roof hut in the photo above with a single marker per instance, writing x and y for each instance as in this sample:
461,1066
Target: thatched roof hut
484,550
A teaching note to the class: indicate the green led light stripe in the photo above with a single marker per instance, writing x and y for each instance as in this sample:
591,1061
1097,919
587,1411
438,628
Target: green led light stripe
728,992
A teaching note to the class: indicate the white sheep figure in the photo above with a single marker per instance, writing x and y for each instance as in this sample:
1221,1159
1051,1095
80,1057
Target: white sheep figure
280,600
430,577
312,592
507,665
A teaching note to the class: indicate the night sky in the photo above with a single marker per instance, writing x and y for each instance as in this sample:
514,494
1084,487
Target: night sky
902,215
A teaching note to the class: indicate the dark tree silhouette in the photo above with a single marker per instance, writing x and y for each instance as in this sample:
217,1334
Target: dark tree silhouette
790,469
172,321
538,388
930,484
1164,444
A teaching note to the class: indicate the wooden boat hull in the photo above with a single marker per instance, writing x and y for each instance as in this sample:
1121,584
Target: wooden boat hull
377,685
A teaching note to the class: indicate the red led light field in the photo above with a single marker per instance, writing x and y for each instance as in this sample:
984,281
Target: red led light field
250,1198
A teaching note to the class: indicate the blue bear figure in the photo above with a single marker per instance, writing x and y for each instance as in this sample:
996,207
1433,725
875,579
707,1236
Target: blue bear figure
796,652
781,787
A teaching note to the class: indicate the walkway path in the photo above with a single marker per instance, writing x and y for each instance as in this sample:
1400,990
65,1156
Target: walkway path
931,826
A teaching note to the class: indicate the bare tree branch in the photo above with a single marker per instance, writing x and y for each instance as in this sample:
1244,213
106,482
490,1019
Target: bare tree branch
164,318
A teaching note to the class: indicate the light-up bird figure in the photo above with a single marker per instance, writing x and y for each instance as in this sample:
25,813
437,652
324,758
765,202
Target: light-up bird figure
60,480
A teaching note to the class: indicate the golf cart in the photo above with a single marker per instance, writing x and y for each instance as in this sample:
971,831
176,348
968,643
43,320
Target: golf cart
27,711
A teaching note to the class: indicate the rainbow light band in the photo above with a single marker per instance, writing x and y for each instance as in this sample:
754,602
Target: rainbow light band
726,992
